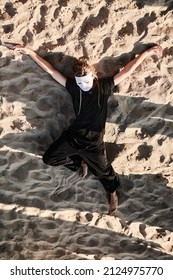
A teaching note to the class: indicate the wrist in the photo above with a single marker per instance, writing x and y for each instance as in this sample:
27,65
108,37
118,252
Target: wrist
30,52
152,50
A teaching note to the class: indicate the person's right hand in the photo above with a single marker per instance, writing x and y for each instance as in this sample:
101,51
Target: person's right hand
22,49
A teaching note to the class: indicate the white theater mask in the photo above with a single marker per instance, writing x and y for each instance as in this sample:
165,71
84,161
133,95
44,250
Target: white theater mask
85,82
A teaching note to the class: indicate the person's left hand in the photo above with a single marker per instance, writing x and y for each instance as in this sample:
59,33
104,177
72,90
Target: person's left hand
156,50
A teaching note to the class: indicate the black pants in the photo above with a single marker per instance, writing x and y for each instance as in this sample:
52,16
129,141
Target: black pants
61,152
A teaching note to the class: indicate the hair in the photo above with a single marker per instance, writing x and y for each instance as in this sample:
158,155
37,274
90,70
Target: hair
82,67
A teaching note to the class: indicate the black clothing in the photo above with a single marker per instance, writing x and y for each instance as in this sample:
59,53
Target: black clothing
89,124
84,138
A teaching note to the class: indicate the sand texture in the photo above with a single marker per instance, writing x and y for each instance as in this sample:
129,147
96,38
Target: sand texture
50,212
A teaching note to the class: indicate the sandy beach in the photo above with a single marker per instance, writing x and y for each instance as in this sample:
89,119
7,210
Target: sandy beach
49,213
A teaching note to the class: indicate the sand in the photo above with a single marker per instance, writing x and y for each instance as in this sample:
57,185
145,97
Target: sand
50,212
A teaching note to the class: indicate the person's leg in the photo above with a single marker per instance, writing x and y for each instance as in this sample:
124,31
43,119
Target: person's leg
61,153
96,158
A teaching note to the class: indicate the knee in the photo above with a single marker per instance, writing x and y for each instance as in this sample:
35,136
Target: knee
45,159
52,160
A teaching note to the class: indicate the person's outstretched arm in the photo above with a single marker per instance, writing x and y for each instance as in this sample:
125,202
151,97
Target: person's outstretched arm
43,63
132,65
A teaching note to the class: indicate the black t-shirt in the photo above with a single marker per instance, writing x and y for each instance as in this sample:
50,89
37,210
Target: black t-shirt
91,110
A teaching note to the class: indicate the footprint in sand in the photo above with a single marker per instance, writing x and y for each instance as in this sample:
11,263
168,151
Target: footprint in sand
128,30
9,9
93,22
142,23
8,28
39,26
144,152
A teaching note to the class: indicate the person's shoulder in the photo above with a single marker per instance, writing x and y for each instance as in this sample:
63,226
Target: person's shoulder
70,80
71,86
107,86
107,83
106,80
70,83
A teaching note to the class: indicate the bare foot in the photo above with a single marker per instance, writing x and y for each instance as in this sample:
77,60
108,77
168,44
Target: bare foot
113,202
83,169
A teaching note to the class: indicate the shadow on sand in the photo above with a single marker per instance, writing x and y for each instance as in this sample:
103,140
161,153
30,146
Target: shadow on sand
28,236
154,211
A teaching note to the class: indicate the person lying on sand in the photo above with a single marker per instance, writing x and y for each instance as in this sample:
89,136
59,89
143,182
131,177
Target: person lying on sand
82,143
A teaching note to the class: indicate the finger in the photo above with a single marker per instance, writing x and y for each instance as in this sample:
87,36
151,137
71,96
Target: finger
19,50
11,45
